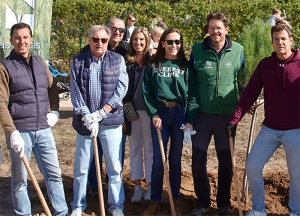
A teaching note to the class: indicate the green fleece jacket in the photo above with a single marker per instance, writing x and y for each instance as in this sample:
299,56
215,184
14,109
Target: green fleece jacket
170,83
217,76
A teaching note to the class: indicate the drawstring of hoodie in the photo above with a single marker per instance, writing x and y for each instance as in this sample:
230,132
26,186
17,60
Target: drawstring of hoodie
281,65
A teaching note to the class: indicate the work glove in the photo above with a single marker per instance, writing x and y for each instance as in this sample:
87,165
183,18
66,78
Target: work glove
230,128
52,118
17,142
96,116
187,135
91,121
94,128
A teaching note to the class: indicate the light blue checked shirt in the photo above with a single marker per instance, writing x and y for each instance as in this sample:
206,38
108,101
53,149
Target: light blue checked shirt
95,85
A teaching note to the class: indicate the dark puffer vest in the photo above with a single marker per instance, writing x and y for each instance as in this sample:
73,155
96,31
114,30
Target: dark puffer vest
28,101
110,78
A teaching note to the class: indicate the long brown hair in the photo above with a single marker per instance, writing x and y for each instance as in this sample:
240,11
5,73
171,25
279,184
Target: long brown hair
159,56
131,53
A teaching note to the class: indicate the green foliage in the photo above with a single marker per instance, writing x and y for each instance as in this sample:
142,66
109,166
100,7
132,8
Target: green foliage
256,40
187,15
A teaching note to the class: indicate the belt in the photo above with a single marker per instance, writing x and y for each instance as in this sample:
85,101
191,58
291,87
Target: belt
169,104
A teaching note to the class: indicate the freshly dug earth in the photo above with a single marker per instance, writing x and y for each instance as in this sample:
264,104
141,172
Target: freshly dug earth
275,175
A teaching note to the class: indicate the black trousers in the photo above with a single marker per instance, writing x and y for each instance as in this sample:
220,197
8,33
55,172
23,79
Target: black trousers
201,182
208,126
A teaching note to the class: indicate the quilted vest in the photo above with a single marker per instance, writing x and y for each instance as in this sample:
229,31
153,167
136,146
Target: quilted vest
110,78
28,101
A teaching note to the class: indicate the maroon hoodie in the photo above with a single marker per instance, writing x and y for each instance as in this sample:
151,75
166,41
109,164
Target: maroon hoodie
281,82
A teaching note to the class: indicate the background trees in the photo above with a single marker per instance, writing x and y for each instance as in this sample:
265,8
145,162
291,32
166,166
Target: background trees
186,15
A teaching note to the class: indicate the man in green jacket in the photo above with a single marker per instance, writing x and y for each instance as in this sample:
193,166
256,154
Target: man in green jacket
218,62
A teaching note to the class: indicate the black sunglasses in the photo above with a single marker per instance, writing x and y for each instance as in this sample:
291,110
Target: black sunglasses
170,42
132,20
103,40
115,29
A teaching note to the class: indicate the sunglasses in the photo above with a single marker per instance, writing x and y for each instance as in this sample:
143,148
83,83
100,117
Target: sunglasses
132,20
170,42
103,40
115,29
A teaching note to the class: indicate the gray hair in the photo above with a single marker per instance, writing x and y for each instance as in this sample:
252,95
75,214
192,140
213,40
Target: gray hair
114,19
96,28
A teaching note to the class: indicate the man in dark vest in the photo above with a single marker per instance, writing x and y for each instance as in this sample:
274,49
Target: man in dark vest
98,84
117,45
25,81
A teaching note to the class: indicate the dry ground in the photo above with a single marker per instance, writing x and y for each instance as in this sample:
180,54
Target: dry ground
275,174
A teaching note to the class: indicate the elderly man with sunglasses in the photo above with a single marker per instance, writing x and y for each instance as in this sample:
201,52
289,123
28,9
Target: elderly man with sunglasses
98,84
116,45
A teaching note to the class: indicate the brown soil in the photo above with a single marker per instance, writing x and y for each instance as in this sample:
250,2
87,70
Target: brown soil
275,175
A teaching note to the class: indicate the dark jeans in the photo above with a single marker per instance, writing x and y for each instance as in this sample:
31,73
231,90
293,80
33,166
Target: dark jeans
208,125
171,122
92,177
201,182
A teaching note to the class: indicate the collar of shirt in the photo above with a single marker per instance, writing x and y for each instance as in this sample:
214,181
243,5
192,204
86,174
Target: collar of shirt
94,59
223,48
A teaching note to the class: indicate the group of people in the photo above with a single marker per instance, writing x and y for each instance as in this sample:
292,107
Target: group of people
205,93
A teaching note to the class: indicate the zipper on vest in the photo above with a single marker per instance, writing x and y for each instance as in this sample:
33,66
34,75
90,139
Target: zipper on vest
31,74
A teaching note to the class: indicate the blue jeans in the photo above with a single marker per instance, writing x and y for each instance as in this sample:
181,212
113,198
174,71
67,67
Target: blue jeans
92,177
42,144
266,143
171,122
110,138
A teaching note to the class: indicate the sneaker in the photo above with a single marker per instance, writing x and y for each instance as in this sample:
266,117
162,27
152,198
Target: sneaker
225,210
153,209
199,211
117,212
148,193
177,209
138,194
76,213
93,192
255,213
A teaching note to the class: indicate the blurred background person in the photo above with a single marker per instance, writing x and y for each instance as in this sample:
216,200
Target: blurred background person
276,17
162,24
129,27
156,33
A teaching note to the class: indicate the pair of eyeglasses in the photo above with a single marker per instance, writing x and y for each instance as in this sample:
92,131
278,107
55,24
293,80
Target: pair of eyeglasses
103,40
115,29
170,42
132,20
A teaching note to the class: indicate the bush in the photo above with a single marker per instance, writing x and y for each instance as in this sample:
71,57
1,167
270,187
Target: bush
187,15
256,40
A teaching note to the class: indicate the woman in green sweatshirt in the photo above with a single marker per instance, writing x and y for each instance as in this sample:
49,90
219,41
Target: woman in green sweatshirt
170,92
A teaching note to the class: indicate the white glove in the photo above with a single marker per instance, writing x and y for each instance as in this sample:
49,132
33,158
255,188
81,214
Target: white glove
94,128
96,116
17,142
91,121
52,118
187,135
